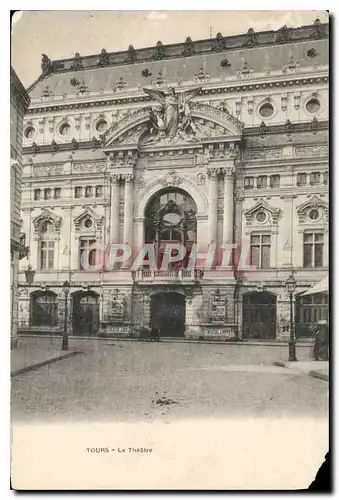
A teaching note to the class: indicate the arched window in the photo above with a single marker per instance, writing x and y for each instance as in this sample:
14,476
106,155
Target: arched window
44,309
170,217
47,245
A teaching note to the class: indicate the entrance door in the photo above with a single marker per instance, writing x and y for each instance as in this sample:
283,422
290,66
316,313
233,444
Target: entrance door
259,315
168,314
85,313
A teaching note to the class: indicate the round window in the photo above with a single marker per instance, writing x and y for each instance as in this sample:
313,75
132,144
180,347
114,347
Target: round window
261,217
313,105
314,214
101,126
29,132
266,110
88,223
64,129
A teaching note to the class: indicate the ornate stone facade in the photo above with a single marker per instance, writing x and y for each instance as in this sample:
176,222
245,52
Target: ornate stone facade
244,141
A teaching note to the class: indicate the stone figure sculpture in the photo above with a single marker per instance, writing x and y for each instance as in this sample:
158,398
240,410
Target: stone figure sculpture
174,109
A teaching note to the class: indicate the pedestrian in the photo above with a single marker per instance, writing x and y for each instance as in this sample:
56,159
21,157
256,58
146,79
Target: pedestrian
321,342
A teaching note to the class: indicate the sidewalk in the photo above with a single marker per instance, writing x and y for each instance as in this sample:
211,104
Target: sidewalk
27,357
316,369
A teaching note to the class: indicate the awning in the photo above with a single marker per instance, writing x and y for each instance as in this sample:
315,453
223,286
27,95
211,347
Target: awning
321,287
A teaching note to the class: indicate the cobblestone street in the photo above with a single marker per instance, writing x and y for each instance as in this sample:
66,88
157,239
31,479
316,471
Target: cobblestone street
131,381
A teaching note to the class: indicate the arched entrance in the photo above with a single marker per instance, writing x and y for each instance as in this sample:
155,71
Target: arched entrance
170,217
85,313
259,315
168,313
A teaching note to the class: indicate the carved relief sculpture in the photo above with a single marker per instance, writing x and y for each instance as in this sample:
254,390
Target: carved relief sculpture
174,114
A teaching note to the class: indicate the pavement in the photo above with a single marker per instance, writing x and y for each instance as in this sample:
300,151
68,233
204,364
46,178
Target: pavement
316,369
29,356
116,381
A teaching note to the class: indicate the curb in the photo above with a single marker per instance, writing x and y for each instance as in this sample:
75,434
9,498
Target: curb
35,366
311,373
171,341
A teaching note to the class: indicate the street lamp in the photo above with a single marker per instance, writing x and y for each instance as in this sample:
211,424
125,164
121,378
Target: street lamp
290,288
66,287
29,273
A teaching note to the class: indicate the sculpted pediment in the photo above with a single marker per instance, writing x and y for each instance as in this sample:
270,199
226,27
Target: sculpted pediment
174,120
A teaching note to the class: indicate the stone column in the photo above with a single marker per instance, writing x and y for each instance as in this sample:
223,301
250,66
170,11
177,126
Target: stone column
213,204
128,211
115,206
228,204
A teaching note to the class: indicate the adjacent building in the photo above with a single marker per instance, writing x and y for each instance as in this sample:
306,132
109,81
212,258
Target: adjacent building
19,105
202,142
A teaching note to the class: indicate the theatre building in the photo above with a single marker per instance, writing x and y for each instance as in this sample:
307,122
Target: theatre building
198,143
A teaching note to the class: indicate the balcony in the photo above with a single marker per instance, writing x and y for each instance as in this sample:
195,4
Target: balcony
167,275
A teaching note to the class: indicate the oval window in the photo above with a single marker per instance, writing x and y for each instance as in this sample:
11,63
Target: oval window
64,129
101,126
261,217
313,105
29,132
266,110
314,214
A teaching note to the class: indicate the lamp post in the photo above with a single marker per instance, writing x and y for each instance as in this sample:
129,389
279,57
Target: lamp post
290,288
66,287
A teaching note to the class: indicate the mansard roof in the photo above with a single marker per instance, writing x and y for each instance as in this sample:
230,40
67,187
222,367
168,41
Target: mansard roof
201,61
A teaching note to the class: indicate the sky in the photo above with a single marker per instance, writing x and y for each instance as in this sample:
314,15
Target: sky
60,34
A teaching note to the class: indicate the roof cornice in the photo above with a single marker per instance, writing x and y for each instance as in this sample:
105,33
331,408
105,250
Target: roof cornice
210,90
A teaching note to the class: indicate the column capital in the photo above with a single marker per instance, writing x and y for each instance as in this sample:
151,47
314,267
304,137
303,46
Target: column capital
214,172
128,177
228,171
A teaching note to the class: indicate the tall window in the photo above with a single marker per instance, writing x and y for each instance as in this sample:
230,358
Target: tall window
78,192
249,182
86,255
48,194
313,249
99,191
262,181
44,309
57,193
37,194
260,250
325,177
88,191
275,181
47,242
301,179
315,178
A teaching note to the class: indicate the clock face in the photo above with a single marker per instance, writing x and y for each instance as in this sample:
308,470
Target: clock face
171,218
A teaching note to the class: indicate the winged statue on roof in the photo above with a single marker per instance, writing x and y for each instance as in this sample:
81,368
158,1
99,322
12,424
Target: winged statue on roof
174,116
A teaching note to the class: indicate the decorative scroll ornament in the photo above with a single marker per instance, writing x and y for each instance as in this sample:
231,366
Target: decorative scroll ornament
103,58
283,35
172,179
159,52
251,39
131,54
317,30
77,62
46,64
188,47
219,44
47,216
